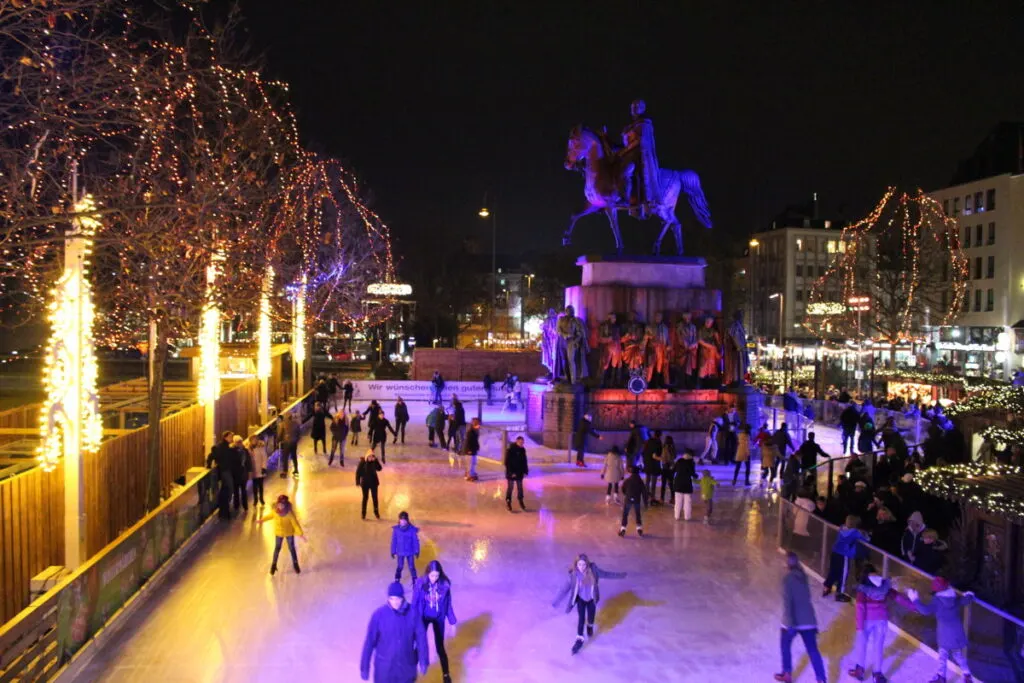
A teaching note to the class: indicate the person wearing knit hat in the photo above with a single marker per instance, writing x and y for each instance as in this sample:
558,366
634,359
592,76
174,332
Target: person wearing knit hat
912,536
947,607
405,545
396,640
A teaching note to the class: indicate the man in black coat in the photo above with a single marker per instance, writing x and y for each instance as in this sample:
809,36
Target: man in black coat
809,453
652,464
347,391
584,428
225,460
515,469
459,423
848,421
401,419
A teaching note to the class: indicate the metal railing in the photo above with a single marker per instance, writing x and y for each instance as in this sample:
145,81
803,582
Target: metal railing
995,637
827,413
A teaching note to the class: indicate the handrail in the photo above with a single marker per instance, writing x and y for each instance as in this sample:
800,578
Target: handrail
892,558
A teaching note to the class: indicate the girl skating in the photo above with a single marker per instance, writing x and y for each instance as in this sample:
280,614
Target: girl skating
584,593
286,528
432,600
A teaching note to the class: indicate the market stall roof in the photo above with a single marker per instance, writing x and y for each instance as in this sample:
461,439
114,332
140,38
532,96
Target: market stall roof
994,488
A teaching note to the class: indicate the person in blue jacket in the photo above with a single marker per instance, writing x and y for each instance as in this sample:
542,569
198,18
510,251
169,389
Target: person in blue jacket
405,545
845,551
396,641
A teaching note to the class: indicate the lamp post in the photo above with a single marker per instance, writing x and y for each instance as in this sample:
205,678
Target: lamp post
487,213
782,298
755,251
522,306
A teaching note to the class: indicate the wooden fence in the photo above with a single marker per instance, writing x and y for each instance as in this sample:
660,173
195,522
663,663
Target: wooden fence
32,503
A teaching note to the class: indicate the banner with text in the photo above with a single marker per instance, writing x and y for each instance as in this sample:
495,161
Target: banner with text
410,390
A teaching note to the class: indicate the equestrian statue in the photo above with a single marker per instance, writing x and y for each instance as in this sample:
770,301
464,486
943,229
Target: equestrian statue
628,178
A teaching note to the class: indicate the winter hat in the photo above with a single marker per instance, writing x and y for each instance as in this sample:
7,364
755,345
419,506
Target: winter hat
907,478
916,518
403,515
939,584
395,590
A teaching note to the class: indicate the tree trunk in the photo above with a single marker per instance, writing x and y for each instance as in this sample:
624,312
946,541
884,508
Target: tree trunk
156,390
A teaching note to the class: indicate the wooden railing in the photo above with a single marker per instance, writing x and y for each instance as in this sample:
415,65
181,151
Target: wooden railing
116,479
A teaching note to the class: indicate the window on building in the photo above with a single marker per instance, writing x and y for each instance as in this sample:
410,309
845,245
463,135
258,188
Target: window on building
799,271
822,270
967,237
956,207
991,270
842,247
822,245
811,244
945,206
977,236
799,295
977,268
991,233
831,246
945,271
945,301
990,300
977,300
990,200
968,204
978,206
799,244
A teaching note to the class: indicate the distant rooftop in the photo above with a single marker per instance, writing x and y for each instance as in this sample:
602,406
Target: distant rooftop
1002,151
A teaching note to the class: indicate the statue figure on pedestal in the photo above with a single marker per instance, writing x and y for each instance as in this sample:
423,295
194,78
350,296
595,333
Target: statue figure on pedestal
709,351
573,335
658,339
639,162
610,338
549,341
633,342
736,359
685,352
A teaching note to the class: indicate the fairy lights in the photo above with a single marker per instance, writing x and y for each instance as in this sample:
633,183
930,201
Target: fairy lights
209,344
71,422
299,324
901,258
977,485
263,369
1003,399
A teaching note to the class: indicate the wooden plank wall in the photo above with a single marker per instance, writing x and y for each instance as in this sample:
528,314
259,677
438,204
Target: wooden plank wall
22,417
32,503
31,533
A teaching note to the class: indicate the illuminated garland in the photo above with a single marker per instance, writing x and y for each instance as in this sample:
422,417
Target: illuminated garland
961,483
764,376
70,419
924,232
209,344
1003,435
936,378
1004,399
299,324
265,332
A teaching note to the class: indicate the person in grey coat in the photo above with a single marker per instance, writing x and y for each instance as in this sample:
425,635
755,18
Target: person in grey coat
947,607
582,587
613,473
396,640
798,618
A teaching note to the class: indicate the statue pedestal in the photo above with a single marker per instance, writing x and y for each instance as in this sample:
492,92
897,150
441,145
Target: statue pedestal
670,285
748,402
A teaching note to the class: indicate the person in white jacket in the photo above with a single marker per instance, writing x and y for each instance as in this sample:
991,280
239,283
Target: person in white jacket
612,473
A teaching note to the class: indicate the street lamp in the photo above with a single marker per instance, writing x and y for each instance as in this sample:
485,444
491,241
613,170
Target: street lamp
487,213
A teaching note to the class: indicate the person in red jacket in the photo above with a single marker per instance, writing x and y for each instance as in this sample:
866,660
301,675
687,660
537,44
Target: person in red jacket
874,594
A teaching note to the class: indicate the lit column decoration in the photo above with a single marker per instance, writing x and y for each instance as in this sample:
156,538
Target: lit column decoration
263,360
209,358
299,337
71,424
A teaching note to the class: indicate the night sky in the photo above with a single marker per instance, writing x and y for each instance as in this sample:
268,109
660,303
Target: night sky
436,103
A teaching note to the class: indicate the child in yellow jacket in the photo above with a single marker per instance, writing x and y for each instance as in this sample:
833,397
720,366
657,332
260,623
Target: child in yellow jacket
286,528
707,493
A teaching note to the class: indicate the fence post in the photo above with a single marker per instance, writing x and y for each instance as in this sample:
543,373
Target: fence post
885,565
831,478
568,450
778,531
480,409
775,419
967,620
824,547
504,444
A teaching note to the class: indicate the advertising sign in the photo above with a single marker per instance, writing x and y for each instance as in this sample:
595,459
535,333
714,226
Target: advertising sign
409,390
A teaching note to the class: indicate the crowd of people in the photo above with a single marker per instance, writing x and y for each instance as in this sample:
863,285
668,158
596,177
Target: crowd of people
876,502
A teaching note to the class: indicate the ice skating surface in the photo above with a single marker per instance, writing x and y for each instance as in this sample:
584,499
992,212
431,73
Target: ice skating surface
700,603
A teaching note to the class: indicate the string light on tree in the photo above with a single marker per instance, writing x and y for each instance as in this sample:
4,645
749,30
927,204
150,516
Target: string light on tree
71,422
973,484
209,345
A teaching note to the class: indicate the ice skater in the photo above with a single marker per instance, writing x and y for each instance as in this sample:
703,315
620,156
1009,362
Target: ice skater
684,473
471,447
396,641
368,480
874,593
844,553
339,437
947,607
584,593
798,619
612,473
321,418
516,468
405,545
633,494
432,600
355,426
707,494
286,527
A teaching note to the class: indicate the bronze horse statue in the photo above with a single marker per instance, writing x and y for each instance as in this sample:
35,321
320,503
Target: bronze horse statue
605,189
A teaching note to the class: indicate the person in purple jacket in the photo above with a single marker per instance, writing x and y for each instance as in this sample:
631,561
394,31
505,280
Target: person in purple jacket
432,600
395,640
405,545
947,607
